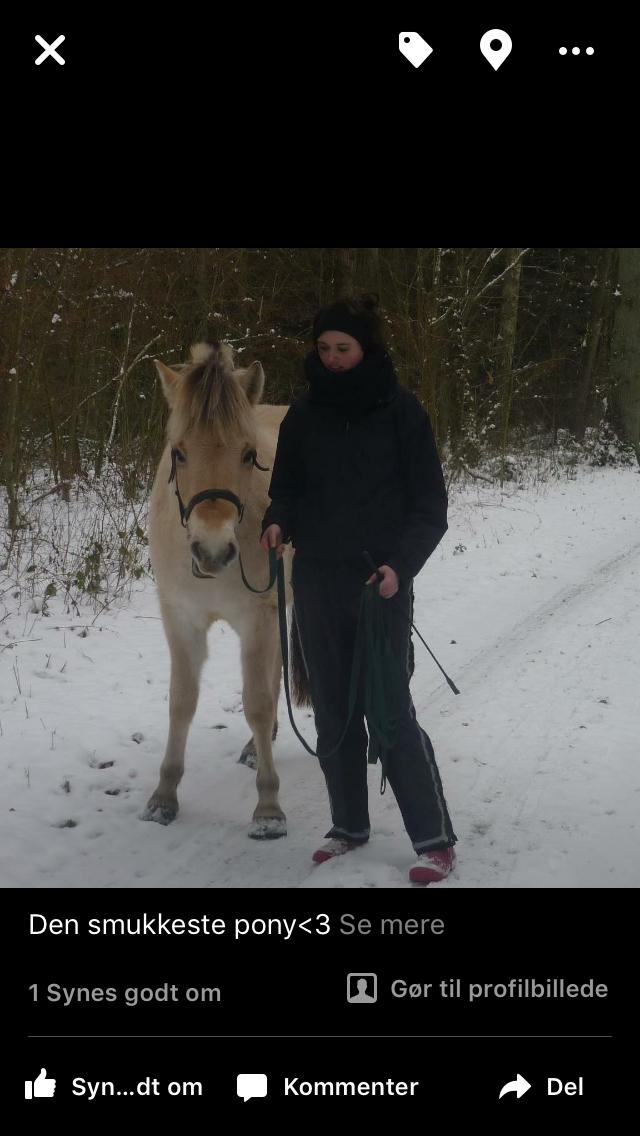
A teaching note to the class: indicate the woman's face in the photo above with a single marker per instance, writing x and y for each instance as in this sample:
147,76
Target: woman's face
339,351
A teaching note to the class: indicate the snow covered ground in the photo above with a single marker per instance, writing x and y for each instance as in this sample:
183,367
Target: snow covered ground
531,603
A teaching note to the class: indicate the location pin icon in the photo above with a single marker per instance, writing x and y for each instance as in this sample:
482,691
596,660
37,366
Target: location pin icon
414,48
496,55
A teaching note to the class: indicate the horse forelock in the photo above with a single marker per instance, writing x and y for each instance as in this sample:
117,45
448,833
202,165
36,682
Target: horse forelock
210,396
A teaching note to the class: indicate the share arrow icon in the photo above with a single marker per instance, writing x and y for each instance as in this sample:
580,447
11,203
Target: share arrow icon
519,1087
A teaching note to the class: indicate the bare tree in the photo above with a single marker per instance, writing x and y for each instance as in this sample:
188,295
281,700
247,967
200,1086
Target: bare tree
343,272
593,336
507,337
626,348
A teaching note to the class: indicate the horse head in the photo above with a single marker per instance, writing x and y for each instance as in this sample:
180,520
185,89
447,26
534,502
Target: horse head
213,440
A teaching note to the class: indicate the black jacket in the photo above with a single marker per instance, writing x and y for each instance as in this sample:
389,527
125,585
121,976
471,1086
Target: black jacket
349,478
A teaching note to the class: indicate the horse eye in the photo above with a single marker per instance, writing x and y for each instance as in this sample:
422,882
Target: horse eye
180,456
250,457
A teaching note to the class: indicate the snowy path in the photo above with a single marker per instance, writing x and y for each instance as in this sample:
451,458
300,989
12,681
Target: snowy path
532,603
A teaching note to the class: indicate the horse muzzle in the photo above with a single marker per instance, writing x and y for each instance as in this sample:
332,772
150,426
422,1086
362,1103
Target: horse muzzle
206,567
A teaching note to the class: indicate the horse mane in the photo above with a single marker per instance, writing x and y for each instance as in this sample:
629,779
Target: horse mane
209,395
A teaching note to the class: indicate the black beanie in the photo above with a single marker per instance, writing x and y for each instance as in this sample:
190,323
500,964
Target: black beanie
339,317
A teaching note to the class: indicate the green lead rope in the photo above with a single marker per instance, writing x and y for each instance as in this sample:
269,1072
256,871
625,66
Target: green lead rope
383,681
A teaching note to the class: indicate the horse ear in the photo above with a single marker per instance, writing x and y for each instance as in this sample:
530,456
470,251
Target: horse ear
252,382
169,380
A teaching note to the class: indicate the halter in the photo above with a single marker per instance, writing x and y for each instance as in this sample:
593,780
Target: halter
207,494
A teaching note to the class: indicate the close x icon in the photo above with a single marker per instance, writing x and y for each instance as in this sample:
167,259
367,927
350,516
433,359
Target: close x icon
50,51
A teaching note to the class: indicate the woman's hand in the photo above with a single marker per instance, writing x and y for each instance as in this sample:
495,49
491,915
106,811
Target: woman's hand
272,538
390,585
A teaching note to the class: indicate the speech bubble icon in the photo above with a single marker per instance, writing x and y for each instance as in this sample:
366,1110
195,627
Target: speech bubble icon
250,1085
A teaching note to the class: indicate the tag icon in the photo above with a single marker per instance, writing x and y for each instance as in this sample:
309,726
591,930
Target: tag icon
414,48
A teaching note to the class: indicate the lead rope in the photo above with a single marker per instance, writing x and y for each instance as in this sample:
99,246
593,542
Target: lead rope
382,681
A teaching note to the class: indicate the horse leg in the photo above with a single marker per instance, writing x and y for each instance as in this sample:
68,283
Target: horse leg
188,647
260,661
249,755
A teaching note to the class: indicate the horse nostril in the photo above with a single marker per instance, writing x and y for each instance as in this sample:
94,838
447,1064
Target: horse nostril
231,552
196,550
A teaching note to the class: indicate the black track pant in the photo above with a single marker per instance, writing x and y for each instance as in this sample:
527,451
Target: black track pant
326,601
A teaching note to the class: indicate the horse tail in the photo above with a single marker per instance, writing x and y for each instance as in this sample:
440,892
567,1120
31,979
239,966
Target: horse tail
300,689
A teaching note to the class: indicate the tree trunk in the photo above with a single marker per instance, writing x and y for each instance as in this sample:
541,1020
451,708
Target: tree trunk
508,328
11,452
430,334
625,355
343,272
593,338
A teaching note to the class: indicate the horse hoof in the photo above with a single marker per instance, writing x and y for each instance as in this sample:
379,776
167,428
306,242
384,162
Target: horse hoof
249,758
161,814
267,828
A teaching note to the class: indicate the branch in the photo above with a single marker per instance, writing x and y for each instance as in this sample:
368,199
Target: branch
54,489
478,476
120,377
523,252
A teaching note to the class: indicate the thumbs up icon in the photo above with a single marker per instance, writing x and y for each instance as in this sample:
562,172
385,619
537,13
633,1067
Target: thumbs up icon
43,1086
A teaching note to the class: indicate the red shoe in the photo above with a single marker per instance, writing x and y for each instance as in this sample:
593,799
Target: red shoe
332,848
431,867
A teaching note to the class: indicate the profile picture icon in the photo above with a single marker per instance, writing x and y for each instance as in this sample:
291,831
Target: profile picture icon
362,988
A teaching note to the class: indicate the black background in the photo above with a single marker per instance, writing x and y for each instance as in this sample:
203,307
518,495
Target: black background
329,52
286,123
